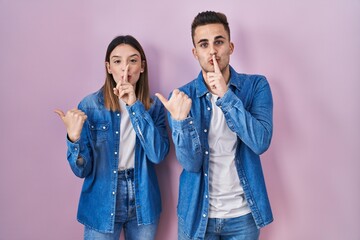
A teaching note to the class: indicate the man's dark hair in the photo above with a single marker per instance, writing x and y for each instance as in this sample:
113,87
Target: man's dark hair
209,17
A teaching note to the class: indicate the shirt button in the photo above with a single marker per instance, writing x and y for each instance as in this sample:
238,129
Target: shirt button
205,130
115,172
133,113
205,174
104,127
115,153
204,215
206,196
206,152
75,149
112,214
208,108
113,193
191,122
118,114
117,132
92,127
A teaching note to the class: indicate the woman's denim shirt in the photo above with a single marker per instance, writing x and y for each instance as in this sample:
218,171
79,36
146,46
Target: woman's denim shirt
95,157
247,107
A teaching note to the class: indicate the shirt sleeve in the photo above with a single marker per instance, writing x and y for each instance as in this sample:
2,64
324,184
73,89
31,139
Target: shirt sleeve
150,129
187,143
79,153
253,125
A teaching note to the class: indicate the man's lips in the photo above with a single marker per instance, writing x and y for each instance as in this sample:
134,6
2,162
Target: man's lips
212,62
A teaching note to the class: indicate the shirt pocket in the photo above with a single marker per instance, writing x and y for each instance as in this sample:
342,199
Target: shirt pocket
99,131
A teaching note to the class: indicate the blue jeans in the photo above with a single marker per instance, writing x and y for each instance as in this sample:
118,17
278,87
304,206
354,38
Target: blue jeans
240,228
125,217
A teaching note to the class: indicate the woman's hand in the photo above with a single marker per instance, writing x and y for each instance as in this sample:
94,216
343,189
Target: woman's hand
74,120
124,90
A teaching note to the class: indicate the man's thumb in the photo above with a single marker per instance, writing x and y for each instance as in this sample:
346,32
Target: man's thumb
60,113
161,98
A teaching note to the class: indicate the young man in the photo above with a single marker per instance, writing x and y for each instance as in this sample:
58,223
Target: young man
221,122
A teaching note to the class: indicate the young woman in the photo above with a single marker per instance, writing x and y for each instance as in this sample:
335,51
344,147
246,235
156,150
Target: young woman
114,139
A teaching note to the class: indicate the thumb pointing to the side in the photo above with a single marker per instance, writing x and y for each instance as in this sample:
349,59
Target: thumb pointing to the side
162,99
60,113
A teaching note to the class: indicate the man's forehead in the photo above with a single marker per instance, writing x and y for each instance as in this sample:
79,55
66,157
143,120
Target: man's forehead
210,32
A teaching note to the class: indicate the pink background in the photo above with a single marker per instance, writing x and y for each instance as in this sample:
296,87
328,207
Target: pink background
51,56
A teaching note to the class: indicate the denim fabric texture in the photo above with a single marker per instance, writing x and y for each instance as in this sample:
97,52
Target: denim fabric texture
95,157
240,228
125,214
247,107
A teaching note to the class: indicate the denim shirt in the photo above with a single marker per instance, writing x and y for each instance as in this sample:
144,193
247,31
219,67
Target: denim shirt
95,157
247,107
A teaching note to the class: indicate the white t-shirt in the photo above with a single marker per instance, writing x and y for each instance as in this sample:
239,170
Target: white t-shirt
226,195
127,140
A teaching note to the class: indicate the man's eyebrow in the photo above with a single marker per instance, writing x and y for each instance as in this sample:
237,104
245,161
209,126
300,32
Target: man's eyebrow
219,37
206,40
202,40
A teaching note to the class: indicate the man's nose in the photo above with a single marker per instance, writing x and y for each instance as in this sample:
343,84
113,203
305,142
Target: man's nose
213,50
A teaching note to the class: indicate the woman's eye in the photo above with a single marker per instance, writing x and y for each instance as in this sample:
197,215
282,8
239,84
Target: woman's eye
117,61
133,60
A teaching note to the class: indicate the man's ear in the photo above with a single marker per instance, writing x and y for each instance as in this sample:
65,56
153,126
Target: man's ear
231,47
194,52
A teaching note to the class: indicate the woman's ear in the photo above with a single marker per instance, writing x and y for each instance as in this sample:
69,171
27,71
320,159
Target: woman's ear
107,64
142,66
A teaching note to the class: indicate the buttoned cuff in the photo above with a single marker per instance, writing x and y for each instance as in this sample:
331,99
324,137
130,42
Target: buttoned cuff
228,101
180,125
73,147
137,109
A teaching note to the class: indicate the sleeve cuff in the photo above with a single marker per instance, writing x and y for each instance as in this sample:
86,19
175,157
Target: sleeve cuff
179,125
73,147
228,101
136,109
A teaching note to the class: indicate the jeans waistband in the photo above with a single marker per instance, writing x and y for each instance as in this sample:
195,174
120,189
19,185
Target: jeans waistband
126,174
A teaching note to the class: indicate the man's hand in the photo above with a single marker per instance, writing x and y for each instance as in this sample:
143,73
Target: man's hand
74,120
178,105
215,80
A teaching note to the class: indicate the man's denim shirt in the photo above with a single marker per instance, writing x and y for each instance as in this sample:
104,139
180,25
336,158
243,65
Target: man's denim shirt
95,157
247,107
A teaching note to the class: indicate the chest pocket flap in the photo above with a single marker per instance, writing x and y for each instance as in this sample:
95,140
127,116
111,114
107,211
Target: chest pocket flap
99,131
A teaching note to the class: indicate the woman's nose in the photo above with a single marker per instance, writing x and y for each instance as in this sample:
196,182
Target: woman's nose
124,66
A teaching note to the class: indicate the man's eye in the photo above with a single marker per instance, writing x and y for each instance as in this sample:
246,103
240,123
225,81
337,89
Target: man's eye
219,42
203,45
